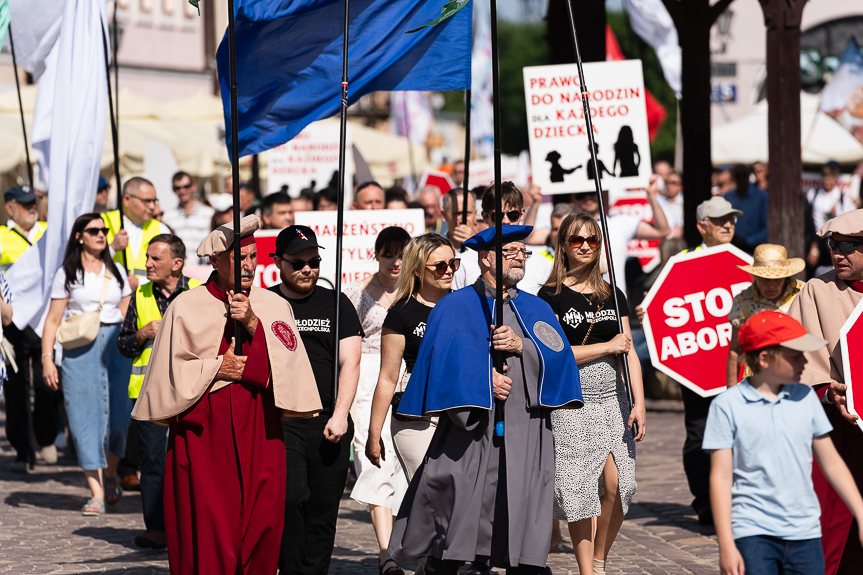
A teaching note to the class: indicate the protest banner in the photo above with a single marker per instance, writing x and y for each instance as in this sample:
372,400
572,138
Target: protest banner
635,204
686,316
361,229
851,342
441,180
309,160
559,149
845,182
482,171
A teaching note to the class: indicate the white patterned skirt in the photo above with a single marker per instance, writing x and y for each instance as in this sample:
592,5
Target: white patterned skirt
583,439
385,485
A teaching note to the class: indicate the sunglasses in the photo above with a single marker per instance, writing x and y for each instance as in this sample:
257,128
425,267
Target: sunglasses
314,263
720,222
846,246
578,241
144,201
439,269
513,215
583,196
96,231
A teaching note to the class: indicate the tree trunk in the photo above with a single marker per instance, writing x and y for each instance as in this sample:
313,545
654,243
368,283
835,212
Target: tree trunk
785,204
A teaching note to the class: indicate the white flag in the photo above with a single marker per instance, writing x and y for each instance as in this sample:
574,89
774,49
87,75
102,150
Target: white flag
75,85
412,115
35,27
652,22
481,110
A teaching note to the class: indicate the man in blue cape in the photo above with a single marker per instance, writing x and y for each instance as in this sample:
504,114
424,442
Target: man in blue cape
479,497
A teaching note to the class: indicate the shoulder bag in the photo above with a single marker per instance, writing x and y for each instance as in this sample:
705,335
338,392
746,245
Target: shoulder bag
82,329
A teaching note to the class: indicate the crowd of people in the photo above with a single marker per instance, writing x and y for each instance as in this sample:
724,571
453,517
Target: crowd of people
467,445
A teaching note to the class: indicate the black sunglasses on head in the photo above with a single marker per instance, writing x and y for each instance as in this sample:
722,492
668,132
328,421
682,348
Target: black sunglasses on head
844,246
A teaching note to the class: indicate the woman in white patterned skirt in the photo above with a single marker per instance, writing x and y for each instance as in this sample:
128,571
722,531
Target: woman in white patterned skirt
380,488
594,448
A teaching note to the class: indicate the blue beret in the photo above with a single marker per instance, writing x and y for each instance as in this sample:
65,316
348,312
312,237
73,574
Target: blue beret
103,184
485,239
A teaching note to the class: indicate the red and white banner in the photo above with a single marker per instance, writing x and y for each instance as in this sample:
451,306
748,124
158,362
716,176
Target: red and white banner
438,179
686,316
851,340
636,204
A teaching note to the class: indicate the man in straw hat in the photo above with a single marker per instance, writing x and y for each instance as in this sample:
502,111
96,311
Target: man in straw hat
823,306
773,288
225,469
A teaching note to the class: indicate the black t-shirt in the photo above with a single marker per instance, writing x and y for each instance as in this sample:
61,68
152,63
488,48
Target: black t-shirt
576,313
409,318
314,315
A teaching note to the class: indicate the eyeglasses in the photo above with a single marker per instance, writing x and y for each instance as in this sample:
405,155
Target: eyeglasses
513,215
313,263
439,269
511,254
578,241
720,222
146,202
95,231
845,246
186,187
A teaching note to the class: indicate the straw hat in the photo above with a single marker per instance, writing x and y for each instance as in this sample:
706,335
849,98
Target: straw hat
771,262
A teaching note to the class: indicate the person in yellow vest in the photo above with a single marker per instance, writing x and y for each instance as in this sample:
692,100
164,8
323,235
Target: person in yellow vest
139,228
26,430
165,256
23,229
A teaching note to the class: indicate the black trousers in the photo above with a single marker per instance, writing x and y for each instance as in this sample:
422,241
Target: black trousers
152,441
131,463
696,461
29,427
317,472
435,566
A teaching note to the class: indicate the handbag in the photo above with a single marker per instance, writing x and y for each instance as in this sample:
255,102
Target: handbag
79,330
397,399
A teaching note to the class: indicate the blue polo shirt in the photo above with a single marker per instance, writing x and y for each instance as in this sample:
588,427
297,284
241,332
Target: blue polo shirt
771,443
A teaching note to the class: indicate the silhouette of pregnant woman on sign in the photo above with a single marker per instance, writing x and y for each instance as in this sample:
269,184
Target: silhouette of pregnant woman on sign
557,171
626,152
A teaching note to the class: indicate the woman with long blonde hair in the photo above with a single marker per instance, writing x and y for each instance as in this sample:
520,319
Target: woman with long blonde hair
594,447
427,269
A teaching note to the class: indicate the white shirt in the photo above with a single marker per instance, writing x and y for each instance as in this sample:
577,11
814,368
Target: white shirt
536,272
621,229
825,202
85,297
192,228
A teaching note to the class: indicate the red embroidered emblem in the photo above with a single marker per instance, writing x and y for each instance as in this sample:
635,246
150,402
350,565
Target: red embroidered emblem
285,334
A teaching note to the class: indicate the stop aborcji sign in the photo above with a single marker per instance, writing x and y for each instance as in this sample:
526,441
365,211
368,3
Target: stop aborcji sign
686,316
851,340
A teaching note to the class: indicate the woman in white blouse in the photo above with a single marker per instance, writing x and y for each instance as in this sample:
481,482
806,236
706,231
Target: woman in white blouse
96,375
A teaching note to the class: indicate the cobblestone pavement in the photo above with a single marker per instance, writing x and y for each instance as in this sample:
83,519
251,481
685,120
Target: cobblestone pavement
42,530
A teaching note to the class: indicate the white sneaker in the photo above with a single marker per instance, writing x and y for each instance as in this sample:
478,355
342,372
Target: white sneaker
49,454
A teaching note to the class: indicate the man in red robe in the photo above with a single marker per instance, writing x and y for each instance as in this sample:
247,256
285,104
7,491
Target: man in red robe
225,468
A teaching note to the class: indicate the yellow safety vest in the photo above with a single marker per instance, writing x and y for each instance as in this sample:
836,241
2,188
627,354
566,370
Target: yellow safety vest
14,244
135,263
148,310
547,255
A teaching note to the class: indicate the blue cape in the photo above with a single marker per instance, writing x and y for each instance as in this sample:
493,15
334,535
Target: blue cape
454,365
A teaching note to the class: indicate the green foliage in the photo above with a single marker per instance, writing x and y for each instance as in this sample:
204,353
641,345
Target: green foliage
634,48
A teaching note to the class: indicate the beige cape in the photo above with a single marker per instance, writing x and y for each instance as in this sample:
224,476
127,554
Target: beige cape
185,359
822,307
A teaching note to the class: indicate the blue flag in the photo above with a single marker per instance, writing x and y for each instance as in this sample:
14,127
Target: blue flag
289,60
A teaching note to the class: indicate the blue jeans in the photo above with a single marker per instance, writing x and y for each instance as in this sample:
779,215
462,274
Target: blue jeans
765,555
639,342
96,396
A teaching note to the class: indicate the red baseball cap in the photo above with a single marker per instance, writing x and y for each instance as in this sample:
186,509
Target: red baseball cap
768,328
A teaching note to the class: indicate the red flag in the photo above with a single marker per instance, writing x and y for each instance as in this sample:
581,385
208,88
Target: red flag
656,113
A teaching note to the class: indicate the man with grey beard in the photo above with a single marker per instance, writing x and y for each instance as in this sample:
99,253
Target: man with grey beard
478,496
317,449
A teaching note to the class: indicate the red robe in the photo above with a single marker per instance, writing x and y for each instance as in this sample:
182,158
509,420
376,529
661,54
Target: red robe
225,473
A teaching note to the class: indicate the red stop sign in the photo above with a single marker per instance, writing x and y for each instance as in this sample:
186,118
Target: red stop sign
686,316
851,340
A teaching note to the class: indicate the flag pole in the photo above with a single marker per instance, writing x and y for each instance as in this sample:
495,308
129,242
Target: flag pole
498,214
585,101
340,213
465,179
115,45
235,170
115,139
21,108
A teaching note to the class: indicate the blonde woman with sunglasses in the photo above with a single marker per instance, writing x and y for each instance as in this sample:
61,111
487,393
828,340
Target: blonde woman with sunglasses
594,448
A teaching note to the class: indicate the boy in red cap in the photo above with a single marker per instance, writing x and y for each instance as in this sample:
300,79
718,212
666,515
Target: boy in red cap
762,435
